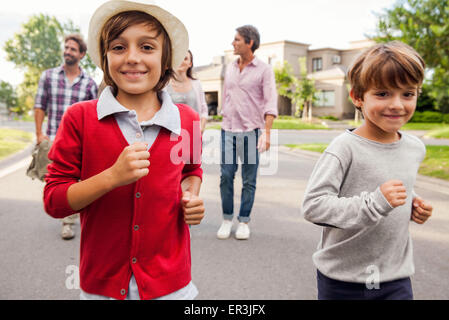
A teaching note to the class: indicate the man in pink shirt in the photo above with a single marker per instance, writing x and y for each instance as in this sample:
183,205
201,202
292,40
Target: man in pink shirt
249,106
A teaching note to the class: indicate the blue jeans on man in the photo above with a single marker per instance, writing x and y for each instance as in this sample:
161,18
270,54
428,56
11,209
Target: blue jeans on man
235,146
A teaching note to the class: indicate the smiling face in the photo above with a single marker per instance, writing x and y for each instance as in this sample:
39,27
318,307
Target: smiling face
386,110
240,47
72,54
134,59
385,83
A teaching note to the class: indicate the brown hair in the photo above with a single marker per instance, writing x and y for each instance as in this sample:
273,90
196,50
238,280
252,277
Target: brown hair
189,71
78,39
114,27
387,65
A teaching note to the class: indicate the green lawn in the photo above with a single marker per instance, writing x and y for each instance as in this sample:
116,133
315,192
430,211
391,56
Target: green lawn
12,141
413,126
442,133
296,124
436,163
284,124
213,126
315,147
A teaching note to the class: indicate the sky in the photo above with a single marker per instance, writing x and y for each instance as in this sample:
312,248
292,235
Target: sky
211,23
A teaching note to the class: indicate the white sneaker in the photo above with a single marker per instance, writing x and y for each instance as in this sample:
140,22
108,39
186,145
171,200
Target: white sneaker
225,230
242,232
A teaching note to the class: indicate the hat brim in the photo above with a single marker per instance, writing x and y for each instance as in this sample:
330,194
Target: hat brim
175,29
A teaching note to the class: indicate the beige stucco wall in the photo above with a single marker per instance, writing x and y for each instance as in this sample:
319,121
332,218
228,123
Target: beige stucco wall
275,53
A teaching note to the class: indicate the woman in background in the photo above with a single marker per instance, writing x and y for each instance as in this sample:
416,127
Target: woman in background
185,89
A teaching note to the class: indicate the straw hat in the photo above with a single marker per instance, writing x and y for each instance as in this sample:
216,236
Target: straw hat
176,30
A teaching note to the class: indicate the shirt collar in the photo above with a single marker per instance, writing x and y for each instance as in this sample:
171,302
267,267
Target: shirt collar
168,115
61,69
254,62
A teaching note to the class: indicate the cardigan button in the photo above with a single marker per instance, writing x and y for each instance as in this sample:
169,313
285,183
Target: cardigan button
138,195
136,227
134,260
123,292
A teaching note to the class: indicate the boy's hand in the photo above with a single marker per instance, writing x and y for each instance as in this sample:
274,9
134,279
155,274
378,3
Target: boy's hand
192,207
421,210
131,165
395,192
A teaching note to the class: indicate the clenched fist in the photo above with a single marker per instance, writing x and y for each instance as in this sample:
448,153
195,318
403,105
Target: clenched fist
193,208
421,210
131,165
395,192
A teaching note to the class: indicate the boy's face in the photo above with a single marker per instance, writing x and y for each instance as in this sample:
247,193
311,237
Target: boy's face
134,59
387,110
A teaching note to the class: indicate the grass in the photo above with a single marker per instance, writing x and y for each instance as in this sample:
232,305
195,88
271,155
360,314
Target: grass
424,126
285,123
442,133
213,127
12,141
435,164
315,147
413,126
295,124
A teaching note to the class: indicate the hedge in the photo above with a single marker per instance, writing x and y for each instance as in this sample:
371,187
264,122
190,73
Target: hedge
430,117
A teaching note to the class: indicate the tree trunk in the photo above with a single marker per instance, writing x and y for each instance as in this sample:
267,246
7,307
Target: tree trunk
304,112
310,110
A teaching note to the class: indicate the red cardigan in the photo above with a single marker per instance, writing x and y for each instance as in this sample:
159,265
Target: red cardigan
135,229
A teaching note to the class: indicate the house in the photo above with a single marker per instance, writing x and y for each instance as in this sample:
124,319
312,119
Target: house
327,66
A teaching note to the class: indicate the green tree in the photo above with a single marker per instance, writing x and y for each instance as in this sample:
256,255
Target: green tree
8,95
300,90
424,25
37,47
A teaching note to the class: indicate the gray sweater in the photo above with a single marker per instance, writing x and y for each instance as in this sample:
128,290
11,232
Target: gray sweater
362,232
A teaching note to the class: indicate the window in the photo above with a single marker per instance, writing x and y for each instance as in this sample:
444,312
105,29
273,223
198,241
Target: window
324,98
317,64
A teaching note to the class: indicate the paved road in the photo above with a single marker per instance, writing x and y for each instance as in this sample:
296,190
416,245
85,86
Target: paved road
274,264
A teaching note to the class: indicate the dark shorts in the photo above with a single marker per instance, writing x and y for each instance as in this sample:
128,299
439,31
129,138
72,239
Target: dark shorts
330,289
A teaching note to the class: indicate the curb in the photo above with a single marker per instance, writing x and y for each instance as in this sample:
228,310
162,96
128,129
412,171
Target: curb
425,182
14,158
16,161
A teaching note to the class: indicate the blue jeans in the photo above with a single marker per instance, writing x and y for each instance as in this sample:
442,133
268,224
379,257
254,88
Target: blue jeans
234,146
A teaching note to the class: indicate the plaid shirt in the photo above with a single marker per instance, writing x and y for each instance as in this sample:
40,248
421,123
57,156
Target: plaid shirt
55,95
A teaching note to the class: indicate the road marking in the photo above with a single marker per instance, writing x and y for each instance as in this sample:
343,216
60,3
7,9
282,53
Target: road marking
19,165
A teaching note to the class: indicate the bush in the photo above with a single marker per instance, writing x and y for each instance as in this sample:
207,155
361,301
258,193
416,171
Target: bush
446,118
427,116
217,118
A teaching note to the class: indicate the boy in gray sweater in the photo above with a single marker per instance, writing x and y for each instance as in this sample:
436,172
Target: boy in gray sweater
361,189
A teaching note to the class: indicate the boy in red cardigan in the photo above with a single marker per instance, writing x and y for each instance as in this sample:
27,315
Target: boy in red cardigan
129,162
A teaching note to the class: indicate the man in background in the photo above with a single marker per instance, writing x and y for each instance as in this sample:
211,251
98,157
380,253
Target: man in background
58,89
